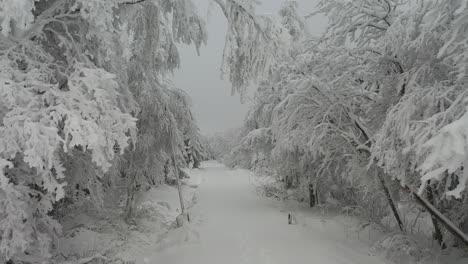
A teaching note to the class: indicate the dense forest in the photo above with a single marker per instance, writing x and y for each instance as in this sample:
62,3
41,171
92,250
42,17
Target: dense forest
371,117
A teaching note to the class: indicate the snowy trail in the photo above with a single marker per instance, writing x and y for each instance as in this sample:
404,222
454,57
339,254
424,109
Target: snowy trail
237,226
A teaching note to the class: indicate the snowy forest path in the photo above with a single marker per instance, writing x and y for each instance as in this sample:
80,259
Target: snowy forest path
237,226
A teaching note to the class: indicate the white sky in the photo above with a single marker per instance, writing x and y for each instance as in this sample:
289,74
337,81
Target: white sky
214,107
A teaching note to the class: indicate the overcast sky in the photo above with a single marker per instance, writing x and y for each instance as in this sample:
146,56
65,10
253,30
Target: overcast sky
214,107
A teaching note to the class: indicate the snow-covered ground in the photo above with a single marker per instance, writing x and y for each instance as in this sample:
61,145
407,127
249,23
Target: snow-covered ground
90,236
230,223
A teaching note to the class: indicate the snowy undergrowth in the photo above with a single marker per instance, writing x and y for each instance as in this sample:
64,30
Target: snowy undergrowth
384,239
416,247
92,236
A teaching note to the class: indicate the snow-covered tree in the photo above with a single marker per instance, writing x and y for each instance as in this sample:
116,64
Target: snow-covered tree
380,97
254,43
222,143
57,101
79,79
88,102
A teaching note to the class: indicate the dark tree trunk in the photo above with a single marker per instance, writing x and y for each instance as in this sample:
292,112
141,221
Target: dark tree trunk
379,172
196,163
131,190
288,182
311,195
437,230
390,199
449,225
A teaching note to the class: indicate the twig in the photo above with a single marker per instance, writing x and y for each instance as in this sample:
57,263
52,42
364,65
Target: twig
132,3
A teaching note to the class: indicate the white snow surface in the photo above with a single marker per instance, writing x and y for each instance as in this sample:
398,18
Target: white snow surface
231,223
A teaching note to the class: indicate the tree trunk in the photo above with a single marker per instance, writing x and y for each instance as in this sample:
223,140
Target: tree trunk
288,182
311,195
196,163
449,225
437,230
131,189
176,172
390,199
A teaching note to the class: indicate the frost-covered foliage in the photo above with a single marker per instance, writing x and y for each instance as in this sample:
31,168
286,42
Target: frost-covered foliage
375,108
89,113
222,143
86,107
254,43
165,116
53,104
